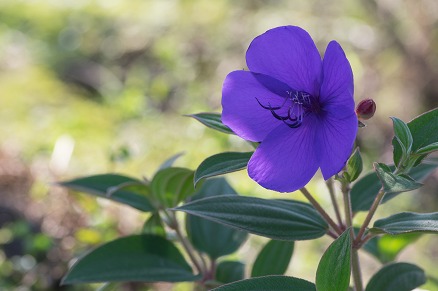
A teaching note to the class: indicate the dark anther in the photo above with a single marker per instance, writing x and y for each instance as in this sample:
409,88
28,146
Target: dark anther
299,101
269,107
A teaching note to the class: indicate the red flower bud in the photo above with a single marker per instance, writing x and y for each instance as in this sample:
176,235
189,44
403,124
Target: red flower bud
366,109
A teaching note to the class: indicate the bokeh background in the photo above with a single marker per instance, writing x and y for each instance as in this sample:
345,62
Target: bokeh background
89,87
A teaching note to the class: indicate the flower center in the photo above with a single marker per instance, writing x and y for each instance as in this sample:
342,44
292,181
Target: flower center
296,105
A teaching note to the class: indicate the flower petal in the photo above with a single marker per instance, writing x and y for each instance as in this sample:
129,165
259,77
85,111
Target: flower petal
337,87
241,110
288,54
335,140
338,127
286,160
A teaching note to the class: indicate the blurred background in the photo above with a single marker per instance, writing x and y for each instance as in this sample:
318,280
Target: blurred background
90,87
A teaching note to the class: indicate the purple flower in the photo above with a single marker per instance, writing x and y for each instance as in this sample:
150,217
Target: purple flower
298,106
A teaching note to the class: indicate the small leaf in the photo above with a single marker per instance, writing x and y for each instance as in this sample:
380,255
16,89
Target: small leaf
365,189
421,128
407,222
403,135
141,258
333,271
170,161
212,120
397,276
428,149
172,185
276,219
354,166
394,183
221,164
274,282
230,271
386,248
210,237
115,187
154,225
424,128
273,259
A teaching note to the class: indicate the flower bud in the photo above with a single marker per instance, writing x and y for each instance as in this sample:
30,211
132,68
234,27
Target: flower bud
366,109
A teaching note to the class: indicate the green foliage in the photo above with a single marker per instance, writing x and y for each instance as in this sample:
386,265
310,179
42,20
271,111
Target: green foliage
397,276
136,68
276,219
170,186
405,222
212,120
210,237
143,258
274,282
394,183
154,225
422,129
221,164
366,188
354,166
333,273
428,149
230,271
115,187
273,259
386,248
403,136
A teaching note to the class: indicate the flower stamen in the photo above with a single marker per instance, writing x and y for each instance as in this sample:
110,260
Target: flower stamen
299,104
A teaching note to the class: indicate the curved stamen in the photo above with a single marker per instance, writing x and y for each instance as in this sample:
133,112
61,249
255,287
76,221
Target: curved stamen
269,107
279,117
300,104
293,125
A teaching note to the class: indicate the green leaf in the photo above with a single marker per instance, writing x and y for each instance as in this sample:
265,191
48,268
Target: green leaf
277,283
407,222
397,276
354,166
221,164
365,189
142,258
403,135
154,225
333,271
276,219
273,259
170,161
386,248
394,183
230,271
172,185
428,149
210,237
115,187
421,128
212,120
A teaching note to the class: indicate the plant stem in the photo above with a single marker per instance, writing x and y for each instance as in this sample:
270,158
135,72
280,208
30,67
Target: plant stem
187,246
364,240
355,269
370,215
332,234
329,184
321,211
213,269
355,265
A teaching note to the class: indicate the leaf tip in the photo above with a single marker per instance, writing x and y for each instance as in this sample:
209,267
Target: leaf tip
66,280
